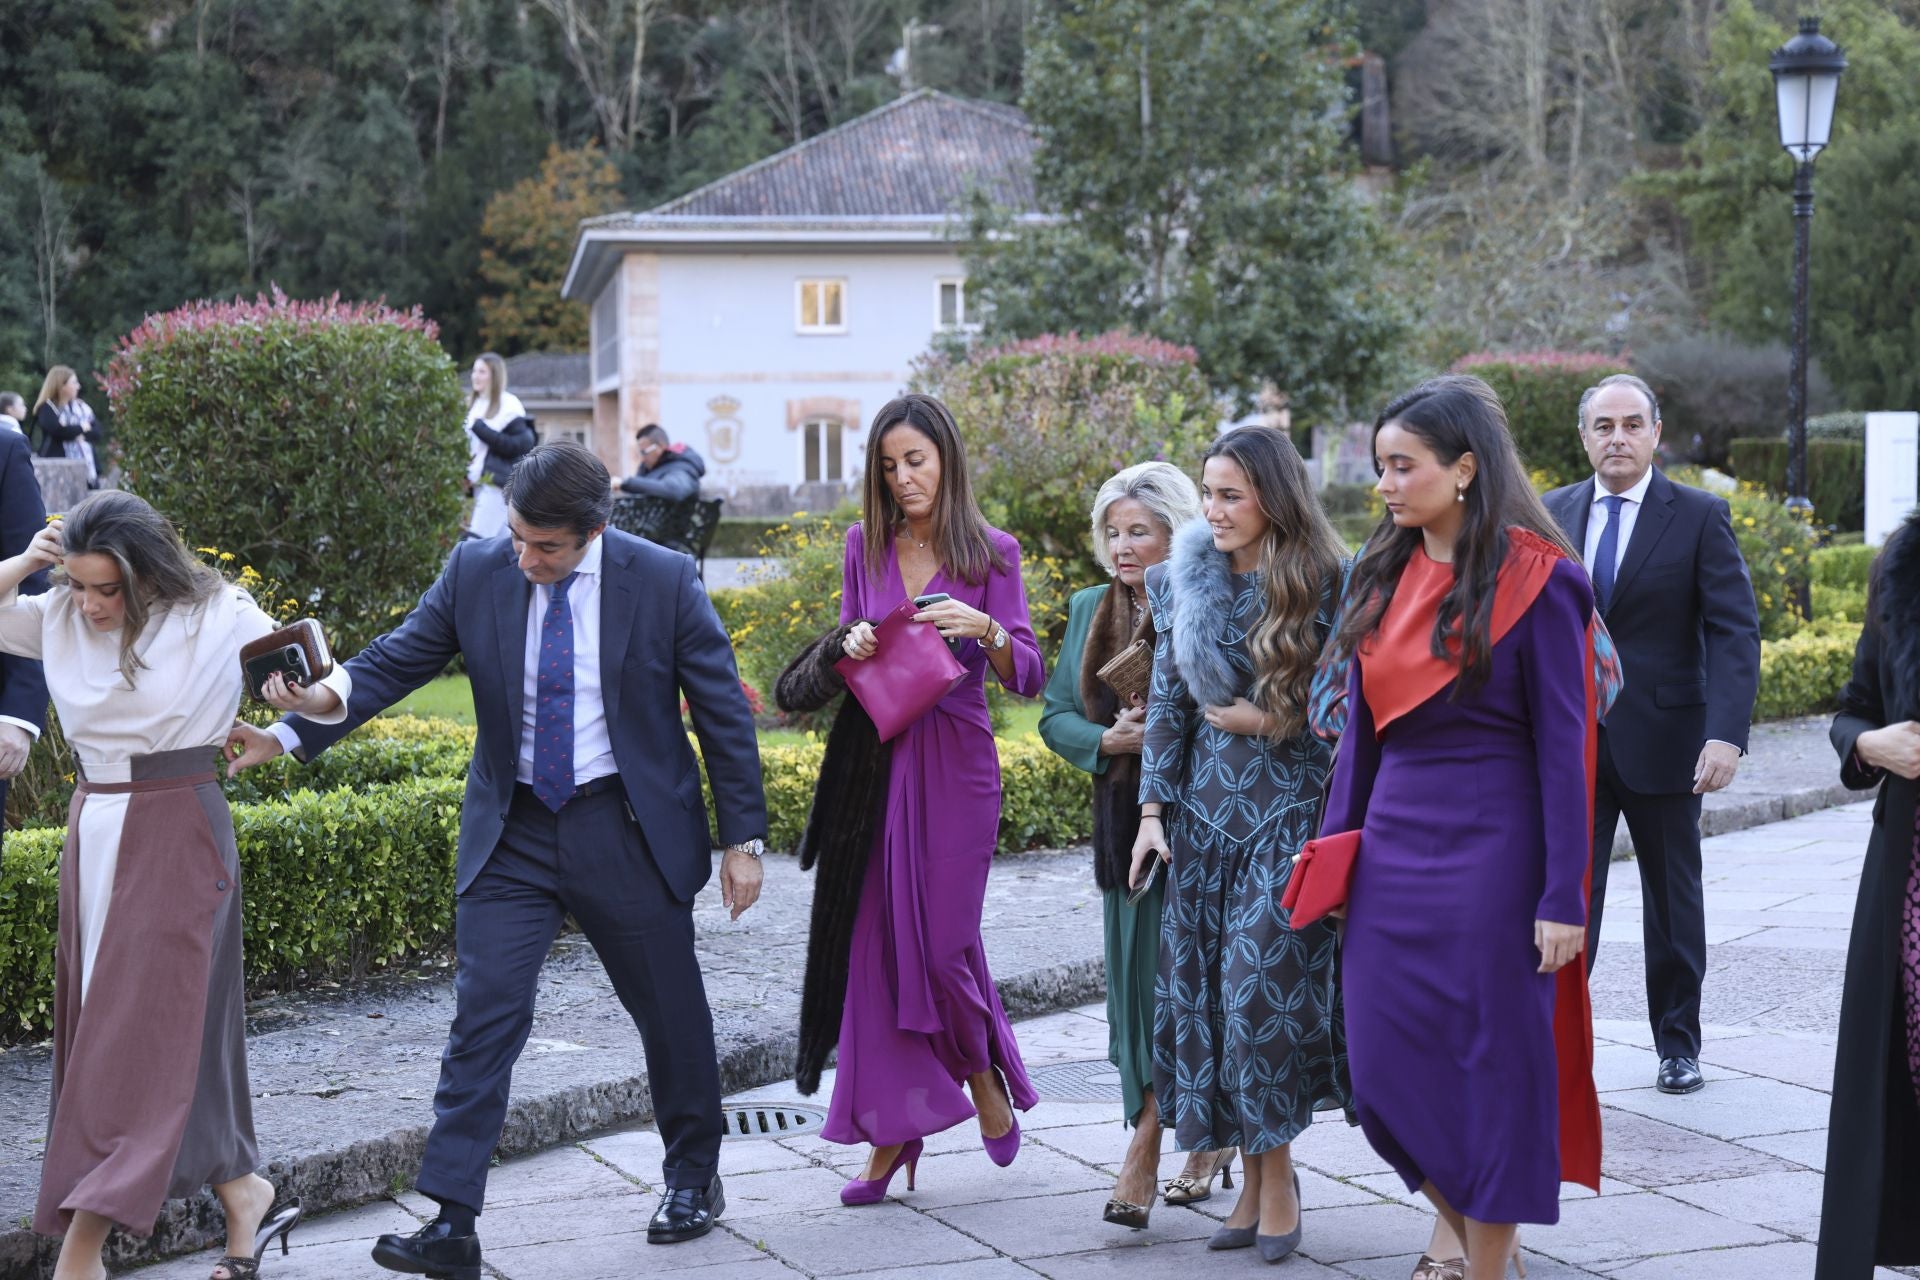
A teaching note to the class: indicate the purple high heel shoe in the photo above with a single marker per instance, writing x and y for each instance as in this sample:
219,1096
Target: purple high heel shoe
1003,1149
873,1190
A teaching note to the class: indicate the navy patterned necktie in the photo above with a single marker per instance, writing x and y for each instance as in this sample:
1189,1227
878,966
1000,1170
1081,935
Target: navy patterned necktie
553,710
1604,559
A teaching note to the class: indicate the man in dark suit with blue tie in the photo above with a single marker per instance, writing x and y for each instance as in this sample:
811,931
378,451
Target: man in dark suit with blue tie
1670,582
583,799
23,686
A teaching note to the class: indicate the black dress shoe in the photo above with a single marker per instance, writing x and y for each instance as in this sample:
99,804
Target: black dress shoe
432,1251
1680,1075
686,1213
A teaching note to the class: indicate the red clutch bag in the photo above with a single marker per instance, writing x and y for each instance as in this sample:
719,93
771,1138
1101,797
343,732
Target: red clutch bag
912,670
1322,876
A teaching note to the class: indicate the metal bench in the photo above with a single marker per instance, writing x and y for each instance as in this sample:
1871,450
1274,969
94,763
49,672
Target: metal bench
686,525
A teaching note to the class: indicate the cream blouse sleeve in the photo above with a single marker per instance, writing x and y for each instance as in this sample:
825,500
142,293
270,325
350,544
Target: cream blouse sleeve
20,623
254,623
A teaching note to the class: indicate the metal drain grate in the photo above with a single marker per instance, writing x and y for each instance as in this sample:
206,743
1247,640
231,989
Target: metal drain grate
1089,1080
772,1120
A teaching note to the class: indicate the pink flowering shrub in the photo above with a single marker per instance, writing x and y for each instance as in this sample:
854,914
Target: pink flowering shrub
1047,420
318,441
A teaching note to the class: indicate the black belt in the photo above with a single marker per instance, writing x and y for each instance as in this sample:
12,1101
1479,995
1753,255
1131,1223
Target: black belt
605,782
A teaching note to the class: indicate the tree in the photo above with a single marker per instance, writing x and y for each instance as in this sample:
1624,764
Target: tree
1734,194
1191,154
526,242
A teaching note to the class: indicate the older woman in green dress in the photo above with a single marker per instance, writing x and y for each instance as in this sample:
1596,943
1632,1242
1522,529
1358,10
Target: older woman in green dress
1134,516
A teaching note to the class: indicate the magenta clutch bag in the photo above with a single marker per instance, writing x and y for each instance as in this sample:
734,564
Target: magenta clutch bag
912,670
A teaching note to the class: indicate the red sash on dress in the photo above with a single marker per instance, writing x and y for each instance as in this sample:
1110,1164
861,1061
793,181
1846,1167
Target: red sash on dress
1401,673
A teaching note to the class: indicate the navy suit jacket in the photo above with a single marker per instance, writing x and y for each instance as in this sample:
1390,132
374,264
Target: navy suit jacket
659,636
23,686
1683,617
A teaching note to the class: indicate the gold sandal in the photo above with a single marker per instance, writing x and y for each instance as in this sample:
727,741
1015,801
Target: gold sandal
1188,1189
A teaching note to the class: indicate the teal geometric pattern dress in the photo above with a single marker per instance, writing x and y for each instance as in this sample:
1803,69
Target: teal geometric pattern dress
1249,1037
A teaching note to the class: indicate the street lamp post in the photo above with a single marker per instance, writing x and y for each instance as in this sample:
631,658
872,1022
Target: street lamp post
1806,78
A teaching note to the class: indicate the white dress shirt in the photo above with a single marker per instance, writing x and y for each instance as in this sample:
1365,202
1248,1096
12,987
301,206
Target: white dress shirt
592,744
1629,513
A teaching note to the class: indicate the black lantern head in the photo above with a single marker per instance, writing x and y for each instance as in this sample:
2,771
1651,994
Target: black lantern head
1806,77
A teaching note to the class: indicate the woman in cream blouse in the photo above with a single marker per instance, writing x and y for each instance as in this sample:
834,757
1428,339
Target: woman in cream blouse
141,647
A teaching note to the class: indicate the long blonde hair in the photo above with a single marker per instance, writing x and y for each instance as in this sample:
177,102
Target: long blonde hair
57,377
1299,556
496,383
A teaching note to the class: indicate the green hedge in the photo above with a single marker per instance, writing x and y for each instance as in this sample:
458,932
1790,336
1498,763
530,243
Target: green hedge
335,884
1541,392
1836,475
1802,675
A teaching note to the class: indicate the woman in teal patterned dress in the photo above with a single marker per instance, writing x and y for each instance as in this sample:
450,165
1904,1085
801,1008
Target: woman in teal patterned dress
1248,1038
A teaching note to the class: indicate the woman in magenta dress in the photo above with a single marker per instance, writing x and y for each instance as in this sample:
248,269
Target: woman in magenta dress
924,1042
1465,768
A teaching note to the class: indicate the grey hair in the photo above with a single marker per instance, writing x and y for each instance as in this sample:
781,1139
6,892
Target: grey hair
1618,380
1160,487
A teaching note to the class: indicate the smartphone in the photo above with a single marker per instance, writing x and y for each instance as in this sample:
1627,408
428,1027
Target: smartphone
1146,882
289,660
921,602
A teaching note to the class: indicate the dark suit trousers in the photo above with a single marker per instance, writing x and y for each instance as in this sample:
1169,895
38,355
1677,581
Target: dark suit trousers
1666,843
591,862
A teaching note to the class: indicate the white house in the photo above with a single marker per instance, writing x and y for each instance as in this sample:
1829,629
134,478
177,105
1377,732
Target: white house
765,317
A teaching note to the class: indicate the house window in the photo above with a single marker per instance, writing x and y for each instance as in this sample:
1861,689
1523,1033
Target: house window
822,453
822,306
950,306
606,335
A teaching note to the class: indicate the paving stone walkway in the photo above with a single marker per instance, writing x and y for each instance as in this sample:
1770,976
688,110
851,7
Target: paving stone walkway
1723,1185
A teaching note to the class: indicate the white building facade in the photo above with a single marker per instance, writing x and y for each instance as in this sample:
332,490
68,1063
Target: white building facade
765,318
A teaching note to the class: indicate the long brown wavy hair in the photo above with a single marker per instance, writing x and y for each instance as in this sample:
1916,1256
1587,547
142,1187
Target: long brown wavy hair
1453,415
959,533
157,571
1299,558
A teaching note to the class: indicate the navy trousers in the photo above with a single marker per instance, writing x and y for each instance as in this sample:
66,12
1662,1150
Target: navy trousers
1666,844
591,862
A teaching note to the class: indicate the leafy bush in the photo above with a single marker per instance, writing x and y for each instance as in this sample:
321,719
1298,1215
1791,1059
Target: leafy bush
1836,475
1777,548
1844,566
1541,392
1802,675
317,441
1714,388
335,884
1047,421
794,596
1838,426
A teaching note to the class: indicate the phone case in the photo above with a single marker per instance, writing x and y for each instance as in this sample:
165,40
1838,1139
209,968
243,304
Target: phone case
263,657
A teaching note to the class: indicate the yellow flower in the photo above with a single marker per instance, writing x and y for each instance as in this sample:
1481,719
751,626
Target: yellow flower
226,555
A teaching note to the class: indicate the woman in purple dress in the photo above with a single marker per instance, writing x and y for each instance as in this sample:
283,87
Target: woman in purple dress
1465,768
923,1028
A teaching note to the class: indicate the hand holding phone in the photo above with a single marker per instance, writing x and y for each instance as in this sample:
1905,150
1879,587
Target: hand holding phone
931,599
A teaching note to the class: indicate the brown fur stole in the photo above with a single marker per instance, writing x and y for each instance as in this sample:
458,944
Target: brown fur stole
1116,793
848,803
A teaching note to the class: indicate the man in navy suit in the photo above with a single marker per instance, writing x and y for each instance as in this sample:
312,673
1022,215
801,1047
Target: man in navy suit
23,686
583,799
1670,582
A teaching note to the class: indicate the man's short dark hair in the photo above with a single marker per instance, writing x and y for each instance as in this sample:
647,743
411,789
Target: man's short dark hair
561,486
8,399
653,431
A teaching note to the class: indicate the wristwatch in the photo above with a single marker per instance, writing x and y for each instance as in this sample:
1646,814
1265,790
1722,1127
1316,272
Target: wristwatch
996,637
755,848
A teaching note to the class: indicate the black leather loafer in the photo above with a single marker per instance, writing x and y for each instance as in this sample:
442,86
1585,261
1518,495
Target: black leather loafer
1680,1075
432,1251
687,1213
